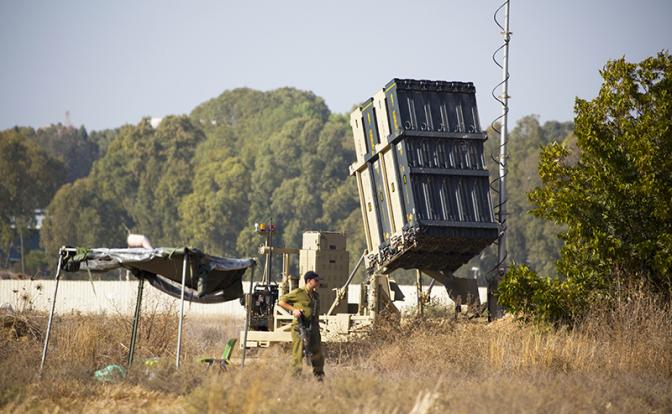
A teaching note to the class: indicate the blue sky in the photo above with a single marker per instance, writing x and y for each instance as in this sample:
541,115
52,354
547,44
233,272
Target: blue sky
111,63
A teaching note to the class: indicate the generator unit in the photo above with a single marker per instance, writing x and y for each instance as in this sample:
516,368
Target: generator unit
262,303
421,175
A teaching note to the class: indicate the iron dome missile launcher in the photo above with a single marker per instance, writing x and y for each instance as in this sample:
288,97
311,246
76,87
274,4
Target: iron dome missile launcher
425,201
422,179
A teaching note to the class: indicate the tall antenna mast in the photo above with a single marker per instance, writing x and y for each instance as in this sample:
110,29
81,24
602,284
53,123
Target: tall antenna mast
494,309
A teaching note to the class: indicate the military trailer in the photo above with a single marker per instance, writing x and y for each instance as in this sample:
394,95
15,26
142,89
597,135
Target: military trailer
325,253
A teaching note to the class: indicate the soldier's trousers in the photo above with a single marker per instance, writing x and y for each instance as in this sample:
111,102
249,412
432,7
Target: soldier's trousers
317,357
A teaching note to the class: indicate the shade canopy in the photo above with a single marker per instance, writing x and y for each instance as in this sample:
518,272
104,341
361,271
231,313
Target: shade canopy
210,279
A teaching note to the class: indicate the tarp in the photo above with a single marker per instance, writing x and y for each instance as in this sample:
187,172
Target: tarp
209,279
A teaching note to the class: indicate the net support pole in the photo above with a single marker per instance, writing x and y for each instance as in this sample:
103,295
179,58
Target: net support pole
185,264
136,322
51,312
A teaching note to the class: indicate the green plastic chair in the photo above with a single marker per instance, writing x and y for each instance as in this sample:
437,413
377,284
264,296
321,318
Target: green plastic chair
223,361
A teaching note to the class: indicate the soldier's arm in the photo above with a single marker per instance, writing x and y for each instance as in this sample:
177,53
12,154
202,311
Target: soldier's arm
286,302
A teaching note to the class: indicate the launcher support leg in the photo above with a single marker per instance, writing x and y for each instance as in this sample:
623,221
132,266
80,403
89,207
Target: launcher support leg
340,293
418,291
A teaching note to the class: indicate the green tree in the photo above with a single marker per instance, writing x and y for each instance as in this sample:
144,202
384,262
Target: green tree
530,239
285,183
206,179
296,155
137,184
148,171
71,146
613,196
79,215
213,214
104,137
256,115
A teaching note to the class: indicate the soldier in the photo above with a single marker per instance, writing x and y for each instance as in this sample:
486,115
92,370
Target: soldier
304,304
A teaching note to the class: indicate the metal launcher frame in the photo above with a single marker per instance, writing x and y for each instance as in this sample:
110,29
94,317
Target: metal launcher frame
323,252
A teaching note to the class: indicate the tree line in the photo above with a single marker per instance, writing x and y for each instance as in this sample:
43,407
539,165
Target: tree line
205,178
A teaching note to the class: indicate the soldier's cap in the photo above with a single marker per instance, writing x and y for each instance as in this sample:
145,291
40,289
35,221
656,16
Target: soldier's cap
310,275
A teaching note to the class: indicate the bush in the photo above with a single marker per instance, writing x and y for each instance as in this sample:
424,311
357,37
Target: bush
545,299
611,193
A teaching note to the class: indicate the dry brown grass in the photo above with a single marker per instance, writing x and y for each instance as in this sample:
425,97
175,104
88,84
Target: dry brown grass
619,359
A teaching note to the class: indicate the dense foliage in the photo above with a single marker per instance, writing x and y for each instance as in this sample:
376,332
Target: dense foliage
143,174
612,193
203,180
243,157
530,240
72,146
286,160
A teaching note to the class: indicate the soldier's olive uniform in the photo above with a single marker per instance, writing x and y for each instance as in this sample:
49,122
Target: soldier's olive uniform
309,304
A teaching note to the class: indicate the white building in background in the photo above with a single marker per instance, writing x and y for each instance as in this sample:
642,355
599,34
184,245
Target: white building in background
154,122
39,218
118,297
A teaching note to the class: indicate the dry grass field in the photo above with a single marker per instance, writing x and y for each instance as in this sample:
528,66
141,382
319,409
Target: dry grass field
618,360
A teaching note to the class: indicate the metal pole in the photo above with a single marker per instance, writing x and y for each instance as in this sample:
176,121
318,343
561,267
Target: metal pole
247,316
51,313
340,292
430,287
185,264
418,291
265,277
136,322
270,255
494,309
285,272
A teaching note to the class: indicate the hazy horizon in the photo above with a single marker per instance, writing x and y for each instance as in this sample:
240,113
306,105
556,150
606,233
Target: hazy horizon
109,64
